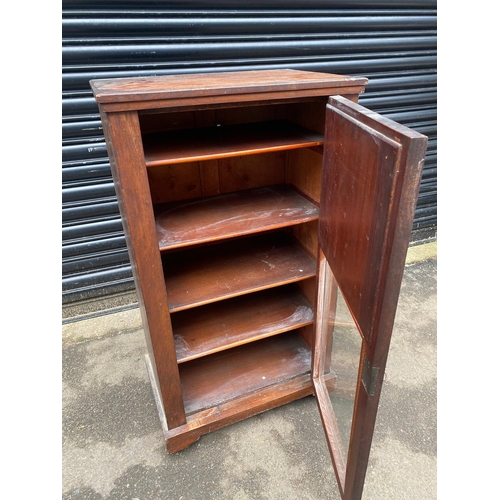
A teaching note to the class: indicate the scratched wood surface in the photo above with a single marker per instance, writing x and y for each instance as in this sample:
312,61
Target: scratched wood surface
237,321
208,274
216,84
229,215
211,140
212,380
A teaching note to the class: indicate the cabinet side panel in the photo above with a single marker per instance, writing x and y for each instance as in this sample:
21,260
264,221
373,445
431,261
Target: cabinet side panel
309,114
304,167
124,144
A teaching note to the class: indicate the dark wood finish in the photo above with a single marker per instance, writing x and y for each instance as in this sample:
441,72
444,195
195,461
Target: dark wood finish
211,273
225,296
227,316
238,173
226,141
229,215
234,322
126,158
210,381
304,171
372,169
184,181
230,100
364,167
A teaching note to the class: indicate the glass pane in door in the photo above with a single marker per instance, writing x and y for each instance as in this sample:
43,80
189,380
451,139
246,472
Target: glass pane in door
342,363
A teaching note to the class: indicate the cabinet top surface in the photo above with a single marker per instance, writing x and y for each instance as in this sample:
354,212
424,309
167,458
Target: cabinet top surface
140,89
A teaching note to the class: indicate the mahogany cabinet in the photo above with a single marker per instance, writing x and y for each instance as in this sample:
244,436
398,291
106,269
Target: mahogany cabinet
267,218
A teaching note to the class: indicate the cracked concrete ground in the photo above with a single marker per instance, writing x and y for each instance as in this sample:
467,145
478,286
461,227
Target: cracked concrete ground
113,445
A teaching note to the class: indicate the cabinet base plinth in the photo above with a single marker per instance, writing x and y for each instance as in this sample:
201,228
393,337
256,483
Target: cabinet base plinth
228,413
238,409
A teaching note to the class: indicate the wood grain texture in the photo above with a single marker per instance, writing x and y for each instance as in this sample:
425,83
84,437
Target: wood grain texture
372,170
237,321
127,165
213,380
365,164
170,183
229,215
237,173
230,347
304,171
215,84
211,273
179,146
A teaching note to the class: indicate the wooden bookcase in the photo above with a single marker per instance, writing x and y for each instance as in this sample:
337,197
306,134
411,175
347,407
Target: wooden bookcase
219,181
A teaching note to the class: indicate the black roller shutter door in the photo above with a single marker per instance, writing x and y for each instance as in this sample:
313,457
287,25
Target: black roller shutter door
393,43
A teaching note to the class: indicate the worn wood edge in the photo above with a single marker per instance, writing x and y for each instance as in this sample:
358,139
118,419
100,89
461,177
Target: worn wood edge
236,234
236,410
180,103
362,115
307,209
249,340
216,83
110,322
212,300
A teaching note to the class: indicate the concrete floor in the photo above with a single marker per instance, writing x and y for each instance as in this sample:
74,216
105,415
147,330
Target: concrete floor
113,445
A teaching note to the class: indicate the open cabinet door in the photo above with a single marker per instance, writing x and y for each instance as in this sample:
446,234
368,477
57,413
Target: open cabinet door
371,174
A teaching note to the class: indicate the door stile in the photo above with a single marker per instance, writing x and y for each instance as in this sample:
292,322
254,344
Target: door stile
377,353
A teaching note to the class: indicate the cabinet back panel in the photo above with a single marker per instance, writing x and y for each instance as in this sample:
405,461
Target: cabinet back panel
185,181
251,171
250,114
175,182
178,120
309,113
159,122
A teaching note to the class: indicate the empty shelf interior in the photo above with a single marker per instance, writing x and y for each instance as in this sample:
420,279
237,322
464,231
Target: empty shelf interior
211,273
228,215
216,379
240,320
176,146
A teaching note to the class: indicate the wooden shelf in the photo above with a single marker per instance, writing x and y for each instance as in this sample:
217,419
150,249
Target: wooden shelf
213,380
181,146
211,273
244,212
237,321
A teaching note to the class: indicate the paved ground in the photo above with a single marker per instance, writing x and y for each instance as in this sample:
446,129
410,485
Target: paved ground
113,445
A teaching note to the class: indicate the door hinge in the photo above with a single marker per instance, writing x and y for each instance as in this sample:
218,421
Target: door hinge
369,377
